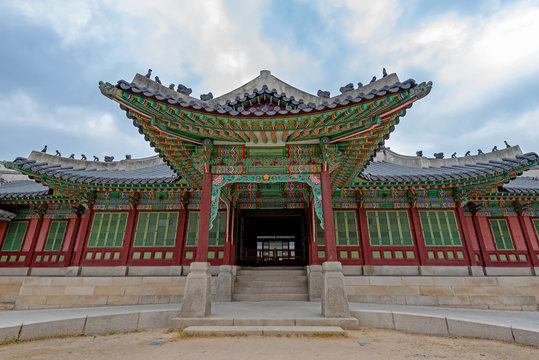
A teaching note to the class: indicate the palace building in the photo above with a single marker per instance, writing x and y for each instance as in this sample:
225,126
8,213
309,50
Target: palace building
269,175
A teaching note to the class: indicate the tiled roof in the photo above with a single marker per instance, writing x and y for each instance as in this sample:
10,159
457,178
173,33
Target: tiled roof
160,173
226,106
22,188
523,184
6,215
385,171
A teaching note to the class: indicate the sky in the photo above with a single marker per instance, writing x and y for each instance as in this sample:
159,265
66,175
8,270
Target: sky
482,57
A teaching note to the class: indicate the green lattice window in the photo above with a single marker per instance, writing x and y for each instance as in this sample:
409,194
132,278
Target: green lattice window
345,228
108,229
501,234
389,228
536,226
156,229
15,236
320,241
440,228
217,233
55,237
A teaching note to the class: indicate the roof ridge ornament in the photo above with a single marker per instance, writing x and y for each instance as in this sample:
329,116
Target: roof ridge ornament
107,89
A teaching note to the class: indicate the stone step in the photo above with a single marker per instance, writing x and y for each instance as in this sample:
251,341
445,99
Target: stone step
265,268
345,323
281,278
270,297
272,273
263,330
247,280
270,290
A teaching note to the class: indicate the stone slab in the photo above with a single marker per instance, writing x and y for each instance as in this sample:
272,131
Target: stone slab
444,270
334,298
350,323
352,270
52,328
302,330
48,271
14,271
214,270
156,319
197,292
481,330
477,271
104,324
390,270
262,330
374,318
103,270
264,322
508,271
420,324
9,333
154,270
182,323
223,330
526,337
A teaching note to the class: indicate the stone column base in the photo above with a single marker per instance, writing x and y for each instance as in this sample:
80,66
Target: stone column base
197,294
334,300
225,284
315,279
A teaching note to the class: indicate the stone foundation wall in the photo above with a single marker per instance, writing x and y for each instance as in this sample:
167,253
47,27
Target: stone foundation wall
62,292
495,292
500,292
9,290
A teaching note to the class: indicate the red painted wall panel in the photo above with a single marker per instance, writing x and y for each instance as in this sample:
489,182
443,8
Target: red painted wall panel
69,234
43,235
32,227
516,233
487,233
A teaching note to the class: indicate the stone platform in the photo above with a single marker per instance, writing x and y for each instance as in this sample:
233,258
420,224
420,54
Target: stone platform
511,326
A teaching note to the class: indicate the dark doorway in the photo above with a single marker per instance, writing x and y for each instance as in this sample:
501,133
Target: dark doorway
272,237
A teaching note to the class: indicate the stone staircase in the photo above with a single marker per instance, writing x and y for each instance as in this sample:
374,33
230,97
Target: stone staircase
271,284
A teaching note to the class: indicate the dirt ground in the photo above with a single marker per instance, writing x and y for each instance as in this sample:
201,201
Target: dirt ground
361,344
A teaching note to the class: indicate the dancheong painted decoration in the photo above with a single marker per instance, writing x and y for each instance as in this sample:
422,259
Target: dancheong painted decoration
268,174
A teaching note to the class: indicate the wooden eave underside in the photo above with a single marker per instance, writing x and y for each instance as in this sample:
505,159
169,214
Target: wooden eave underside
357,130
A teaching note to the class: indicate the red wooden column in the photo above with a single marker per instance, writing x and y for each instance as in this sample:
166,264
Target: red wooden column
479,235
73,238
35,237
129,236
418,234
81,237
527,239
365,239
204,223
466,238
228,234
180,234
327,210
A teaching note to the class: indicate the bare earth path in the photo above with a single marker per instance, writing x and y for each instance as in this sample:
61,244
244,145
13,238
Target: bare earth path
360,344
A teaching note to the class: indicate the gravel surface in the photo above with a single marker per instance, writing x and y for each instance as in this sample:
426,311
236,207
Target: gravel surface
359,344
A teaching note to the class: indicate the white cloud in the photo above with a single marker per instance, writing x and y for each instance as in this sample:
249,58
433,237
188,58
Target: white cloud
87,130
361,21
71,20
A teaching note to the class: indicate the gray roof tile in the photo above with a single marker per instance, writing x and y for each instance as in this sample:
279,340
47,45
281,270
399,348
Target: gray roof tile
386,171
6,215
528,185
22,188
160,173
